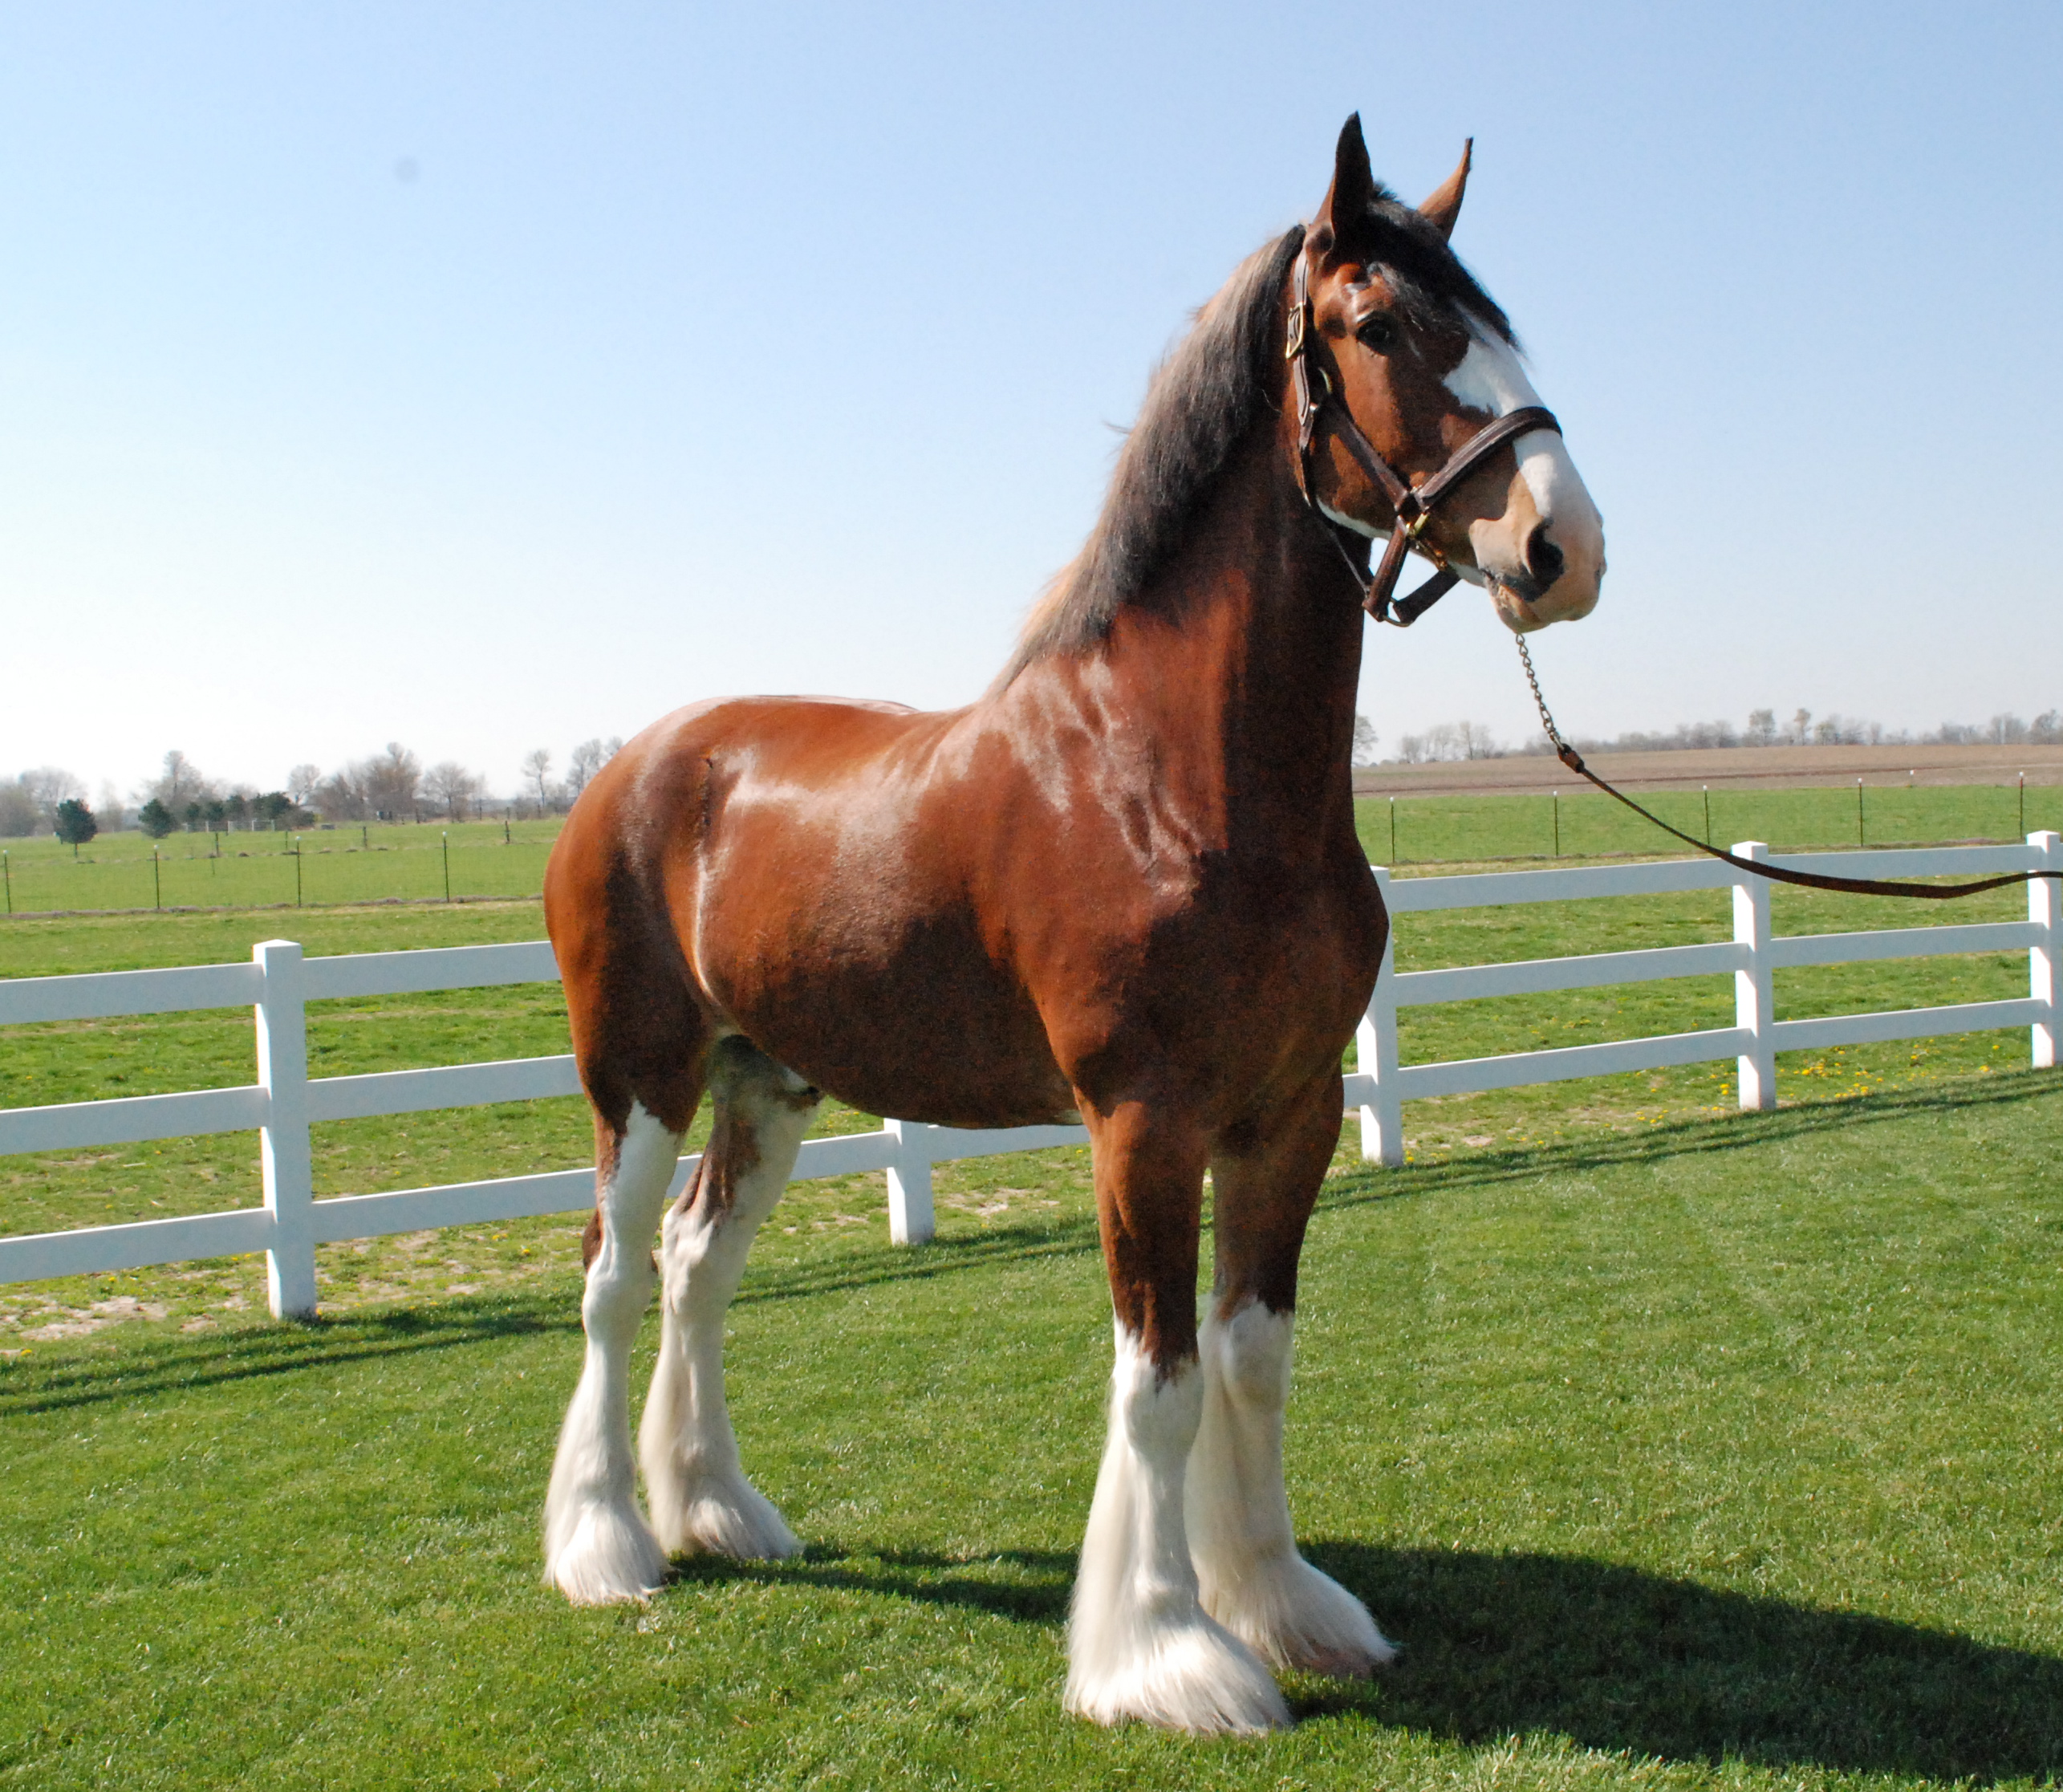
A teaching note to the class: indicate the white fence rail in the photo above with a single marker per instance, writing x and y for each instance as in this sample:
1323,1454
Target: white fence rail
285,1101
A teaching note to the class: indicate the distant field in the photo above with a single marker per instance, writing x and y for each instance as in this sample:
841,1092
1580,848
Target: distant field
1450,826
349,863
1437,826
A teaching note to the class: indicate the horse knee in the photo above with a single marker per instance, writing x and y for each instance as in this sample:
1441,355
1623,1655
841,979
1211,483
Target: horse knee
1249,1356
1155,1407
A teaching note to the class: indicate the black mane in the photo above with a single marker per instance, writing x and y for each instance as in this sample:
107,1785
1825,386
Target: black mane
1201,401
1205,397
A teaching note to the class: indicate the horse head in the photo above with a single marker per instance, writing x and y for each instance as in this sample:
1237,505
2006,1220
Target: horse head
1420,360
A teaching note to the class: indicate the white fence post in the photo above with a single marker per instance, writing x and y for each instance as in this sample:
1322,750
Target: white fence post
910,1218
290,1183
1375,1048
2044,908
1755,989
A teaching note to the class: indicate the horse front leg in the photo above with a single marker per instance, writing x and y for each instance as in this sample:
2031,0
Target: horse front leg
1140,1643
598,1548
1251,1578
701,1498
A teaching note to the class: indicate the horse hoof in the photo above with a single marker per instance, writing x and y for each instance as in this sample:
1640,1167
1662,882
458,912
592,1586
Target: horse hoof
1195,1677
605,1556
1296,1618
728,1516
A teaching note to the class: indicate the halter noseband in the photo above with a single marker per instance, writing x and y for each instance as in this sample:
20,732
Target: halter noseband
1411,506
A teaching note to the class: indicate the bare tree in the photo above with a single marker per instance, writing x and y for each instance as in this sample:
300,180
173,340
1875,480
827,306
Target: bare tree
1448,741
450,786
341,796
303,782
47,786
18,809
536,768
180,784
393,782
1365,738
587,758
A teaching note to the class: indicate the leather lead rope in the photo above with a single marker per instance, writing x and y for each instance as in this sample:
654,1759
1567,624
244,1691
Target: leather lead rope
1410,506
1813,880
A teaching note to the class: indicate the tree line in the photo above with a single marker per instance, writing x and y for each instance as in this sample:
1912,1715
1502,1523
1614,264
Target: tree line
1470,739
392,785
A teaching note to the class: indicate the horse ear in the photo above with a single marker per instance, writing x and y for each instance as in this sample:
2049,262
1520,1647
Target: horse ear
1352,192
1442,205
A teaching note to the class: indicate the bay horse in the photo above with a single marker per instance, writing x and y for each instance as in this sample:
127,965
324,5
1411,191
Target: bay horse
1123,886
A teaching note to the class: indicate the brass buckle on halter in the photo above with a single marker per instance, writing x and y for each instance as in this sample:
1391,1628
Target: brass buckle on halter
1295,345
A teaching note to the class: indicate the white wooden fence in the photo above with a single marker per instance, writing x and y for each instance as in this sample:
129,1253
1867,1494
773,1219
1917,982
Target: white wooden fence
285,1101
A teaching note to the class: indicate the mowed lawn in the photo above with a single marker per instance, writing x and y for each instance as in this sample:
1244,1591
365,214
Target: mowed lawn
1674,1445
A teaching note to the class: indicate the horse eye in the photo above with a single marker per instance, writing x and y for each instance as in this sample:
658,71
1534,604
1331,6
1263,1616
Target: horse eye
1379,333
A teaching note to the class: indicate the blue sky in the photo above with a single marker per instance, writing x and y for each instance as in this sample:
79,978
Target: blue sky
489,377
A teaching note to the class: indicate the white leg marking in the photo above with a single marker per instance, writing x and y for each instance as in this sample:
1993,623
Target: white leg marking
1139,1643
1251,1578
700,1499
598,1548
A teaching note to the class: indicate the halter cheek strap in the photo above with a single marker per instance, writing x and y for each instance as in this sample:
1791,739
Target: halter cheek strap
1410,506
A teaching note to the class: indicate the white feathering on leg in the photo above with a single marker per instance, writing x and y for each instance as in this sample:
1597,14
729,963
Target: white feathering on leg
1139,1644
597,1549
1250,1577
701,1498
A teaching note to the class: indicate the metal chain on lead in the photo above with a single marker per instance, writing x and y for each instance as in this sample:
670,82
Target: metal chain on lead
1539,702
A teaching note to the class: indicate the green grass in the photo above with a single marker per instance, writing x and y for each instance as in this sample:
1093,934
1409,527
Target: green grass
159,1053
380,862
1722,1453
384,862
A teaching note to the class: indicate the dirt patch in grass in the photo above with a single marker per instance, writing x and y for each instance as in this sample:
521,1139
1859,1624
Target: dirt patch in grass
1741,767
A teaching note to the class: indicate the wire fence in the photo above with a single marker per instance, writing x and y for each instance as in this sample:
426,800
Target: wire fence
472,861
467,861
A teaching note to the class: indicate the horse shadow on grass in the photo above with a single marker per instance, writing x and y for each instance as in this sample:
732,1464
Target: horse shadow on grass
1610,1657
1702,1136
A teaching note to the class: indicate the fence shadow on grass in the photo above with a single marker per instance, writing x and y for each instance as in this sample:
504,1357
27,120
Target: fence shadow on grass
163,1364
1690,1137
948,1254
159,1364
1616,1659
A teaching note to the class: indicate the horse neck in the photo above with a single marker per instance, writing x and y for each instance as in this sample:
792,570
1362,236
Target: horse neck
1238,668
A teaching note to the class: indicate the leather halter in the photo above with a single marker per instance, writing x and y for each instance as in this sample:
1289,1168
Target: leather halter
1411,506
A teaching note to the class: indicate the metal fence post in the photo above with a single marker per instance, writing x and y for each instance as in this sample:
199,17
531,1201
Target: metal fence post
1375,1046
910,1218
2044,908
1754,989
289,1190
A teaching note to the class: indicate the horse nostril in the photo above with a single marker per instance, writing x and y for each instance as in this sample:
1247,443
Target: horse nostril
1543,558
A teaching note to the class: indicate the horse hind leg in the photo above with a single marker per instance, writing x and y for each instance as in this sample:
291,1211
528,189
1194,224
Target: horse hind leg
598,1548
1251,1577
701,1498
